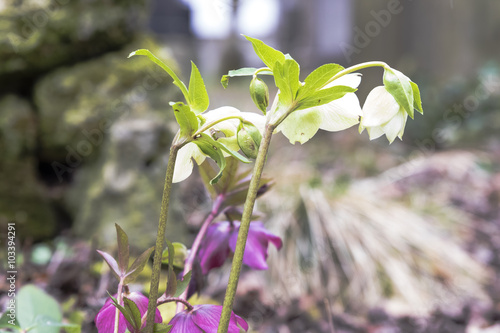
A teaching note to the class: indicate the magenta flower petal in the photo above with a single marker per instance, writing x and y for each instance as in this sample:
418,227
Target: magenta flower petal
257,243
105,319
182,322
214,249
204,318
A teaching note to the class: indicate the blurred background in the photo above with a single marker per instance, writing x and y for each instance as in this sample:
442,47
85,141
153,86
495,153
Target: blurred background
377,237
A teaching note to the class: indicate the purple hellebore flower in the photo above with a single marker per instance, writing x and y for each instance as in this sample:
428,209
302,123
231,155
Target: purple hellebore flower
221,239
204,319
105,318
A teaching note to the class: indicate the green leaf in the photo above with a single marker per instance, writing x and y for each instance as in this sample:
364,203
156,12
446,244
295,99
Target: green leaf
282,82
172,279
186,118
166,68
132,308
183,284
324,96
292,72
180,255
198,96
266,53
44,322
399,86
138,265
33,303
113,265
417,102
125,311
123,249
245,71
319,78
8,320
161,328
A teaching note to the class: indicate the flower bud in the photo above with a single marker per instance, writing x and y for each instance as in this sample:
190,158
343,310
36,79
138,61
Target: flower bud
249,139
259,93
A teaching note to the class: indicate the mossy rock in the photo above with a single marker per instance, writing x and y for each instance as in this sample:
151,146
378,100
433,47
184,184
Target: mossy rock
22,199
38,36
125,184
77,105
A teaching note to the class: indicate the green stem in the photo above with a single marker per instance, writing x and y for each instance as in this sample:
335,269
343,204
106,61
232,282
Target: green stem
160,240
357,68
244,226
119,298
215,122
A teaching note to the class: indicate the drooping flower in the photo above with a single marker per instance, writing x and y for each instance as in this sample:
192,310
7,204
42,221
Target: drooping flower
105,318
383,115
337,115
221,239
204,319
226,133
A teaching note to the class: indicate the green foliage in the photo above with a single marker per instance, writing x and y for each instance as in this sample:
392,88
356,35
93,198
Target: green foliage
186,118
323,96
39,312
198,96
245,71
319,78
121,269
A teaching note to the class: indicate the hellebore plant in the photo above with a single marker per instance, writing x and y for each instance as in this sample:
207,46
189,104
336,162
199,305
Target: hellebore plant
325,100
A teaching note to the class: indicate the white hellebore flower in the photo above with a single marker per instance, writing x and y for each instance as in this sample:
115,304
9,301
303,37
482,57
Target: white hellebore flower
226,132
383,115
339,114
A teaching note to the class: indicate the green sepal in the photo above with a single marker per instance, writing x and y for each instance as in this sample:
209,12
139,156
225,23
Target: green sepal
198,95
324,96
208,172
214,150
183,284
399,86
186,118
266,53
210,148
138,266
123,249
417,102
135,314
180,255
172,279
245,71
319,78
166,68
